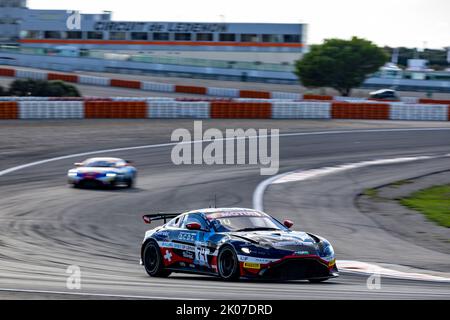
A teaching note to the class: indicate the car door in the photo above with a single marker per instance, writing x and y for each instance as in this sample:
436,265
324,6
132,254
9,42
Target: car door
198,240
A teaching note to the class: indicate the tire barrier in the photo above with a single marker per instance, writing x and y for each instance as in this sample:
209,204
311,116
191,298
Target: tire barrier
433,101
254,94
369,111
115,110
424,112
9,110
155,107
35,75
95,81
222,92
159,87
286,95
63,77
317,97
240,110
51,110
131,84
301,110
190,89
177,109
4,72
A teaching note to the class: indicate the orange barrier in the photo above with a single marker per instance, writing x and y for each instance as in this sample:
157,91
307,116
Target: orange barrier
254,94
317,97
9,110
62,77
7,72
344,110
115,110
240,110
133,84
433,101
191,89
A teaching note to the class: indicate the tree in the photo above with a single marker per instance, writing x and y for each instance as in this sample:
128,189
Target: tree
42,88
340,64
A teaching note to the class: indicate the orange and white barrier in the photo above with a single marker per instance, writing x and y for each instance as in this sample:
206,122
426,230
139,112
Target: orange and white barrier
141,108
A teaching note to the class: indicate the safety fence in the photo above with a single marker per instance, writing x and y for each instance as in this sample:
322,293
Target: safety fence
160,108
197,90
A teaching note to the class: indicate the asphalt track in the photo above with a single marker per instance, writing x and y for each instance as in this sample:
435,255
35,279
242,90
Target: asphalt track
47,226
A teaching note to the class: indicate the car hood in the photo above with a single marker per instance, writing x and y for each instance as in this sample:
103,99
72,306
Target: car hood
283,240
95,169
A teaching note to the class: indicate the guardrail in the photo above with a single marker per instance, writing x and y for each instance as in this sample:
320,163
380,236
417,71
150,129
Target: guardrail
220,109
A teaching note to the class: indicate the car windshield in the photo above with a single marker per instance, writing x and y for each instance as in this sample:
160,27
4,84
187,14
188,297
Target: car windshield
245,222
100,164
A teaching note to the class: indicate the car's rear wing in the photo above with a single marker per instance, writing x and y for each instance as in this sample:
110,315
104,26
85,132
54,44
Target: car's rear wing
148,218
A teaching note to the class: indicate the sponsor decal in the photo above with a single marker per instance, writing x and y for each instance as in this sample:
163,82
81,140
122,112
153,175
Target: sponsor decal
227,214
179,246
250,265
332,263
287,243
168,256
182,264
188,255
301,253
191,265
255,260
186,236
201,256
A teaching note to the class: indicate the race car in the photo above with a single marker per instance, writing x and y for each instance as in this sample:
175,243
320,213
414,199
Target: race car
97,172
232,243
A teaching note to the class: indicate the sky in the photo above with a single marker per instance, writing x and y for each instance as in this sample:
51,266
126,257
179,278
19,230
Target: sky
408,23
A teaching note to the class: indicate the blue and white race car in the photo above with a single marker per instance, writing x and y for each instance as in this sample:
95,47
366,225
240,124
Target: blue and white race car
96,172
232,243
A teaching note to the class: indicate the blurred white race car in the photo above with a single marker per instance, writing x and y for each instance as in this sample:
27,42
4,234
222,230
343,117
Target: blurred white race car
97,172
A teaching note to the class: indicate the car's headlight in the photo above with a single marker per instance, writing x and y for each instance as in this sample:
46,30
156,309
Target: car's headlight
111,174
327,251
72,173
246,250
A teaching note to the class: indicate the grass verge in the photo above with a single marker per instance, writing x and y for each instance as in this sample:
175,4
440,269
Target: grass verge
433,202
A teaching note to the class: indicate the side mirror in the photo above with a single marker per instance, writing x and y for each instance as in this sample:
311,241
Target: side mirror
288,223
78,164
147,219
193,226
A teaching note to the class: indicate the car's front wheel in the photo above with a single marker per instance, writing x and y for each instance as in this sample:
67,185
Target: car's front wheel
153,260
228,264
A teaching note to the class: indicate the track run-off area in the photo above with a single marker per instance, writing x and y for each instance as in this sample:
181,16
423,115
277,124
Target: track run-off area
47,226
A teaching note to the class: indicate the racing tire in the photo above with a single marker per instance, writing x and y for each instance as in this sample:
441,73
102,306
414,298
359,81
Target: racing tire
153,261
228,264
130,183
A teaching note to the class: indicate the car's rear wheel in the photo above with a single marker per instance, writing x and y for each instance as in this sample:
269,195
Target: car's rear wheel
228,264
153,260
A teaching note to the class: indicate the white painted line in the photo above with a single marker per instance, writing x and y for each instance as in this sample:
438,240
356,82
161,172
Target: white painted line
316,173
370,268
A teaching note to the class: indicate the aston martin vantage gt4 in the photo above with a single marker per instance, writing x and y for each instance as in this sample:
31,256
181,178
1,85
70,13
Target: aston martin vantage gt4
232,243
